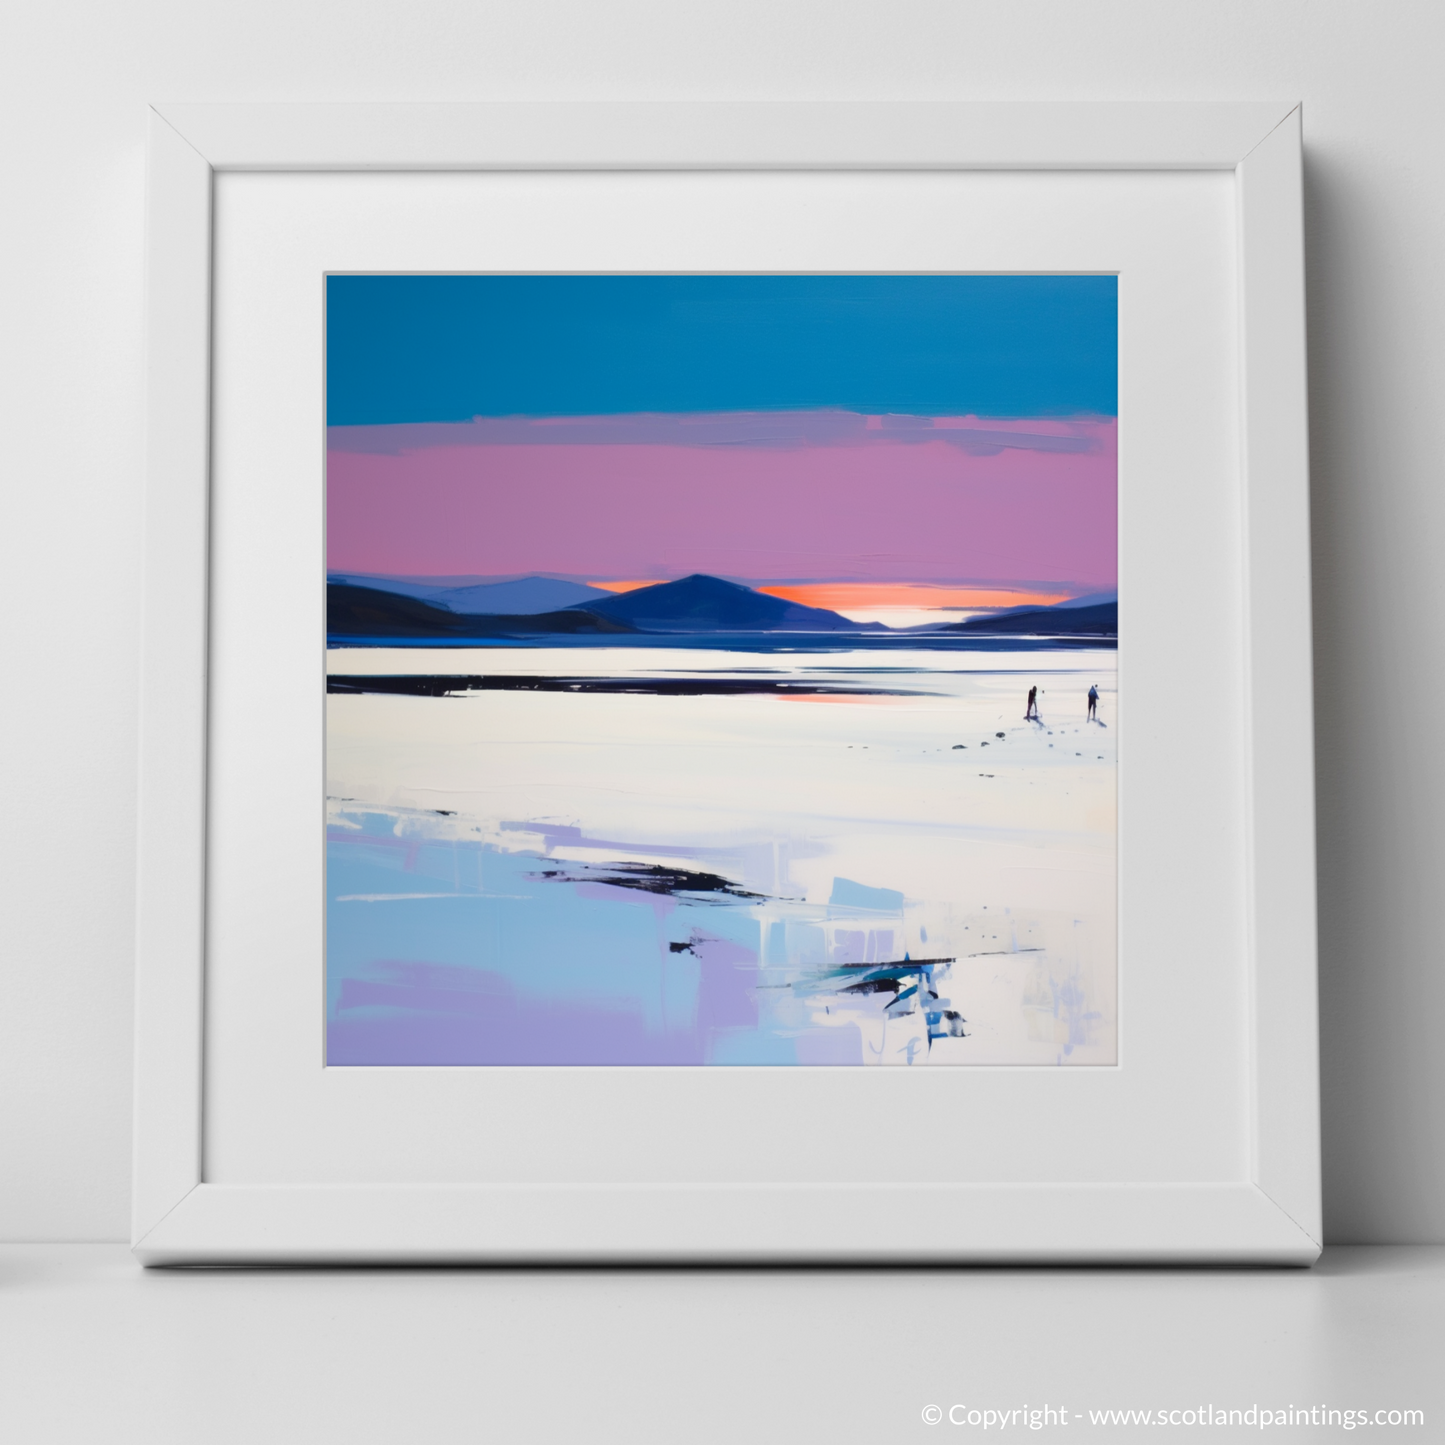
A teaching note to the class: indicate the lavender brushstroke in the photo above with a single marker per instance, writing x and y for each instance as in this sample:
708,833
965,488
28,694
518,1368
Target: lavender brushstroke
473,1016
772,430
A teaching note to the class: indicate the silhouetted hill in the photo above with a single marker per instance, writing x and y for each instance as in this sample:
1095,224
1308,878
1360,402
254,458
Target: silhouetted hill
707,609
523,597
694,604
1099,620
708,604
371,612
1093,599
526,597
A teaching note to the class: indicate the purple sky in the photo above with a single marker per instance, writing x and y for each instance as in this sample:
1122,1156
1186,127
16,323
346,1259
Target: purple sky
769,496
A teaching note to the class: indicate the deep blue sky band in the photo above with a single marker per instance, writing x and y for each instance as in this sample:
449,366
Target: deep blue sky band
447,348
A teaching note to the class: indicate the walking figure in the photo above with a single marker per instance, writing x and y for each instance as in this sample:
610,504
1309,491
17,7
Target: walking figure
1093,701
1031,713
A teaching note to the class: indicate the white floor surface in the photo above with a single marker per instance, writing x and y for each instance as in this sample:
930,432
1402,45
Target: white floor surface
92,1348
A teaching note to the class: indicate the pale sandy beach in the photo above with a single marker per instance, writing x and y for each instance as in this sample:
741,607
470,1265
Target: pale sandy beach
919,816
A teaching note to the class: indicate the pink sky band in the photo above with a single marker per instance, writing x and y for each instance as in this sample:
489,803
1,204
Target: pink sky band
758,496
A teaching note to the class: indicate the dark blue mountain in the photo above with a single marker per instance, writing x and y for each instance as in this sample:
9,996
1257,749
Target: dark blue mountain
1099,620
372,613
528,596
525,596
708,604
1094,599
692,605
705,609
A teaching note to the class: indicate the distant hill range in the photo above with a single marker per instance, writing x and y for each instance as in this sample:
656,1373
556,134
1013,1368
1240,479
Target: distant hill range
374,615
450,611
528,596
1067,619
692,605
708,604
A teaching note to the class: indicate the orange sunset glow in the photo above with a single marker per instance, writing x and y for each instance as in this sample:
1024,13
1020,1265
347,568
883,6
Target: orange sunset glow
865,596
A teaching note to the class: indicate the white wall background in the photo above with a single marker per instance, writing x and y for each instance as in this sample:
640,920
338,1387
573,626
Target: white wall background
75,77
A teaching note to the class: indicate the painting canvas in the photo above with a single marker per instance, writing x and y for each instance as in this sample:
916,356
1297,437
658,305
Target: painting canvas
721,670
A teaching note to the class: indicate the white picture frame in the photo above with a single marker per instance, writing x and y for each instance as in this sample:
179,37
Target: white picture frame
1271,1213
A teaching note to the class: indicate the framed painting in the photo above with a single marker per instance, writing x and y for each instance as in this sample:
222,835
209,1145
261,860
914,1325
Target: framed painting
678,715
737,685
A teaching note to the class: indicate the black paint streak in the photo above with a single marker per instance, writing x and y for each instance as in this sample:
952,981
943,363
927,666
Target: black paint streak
905,965
453,685
877,976
886,984
652,878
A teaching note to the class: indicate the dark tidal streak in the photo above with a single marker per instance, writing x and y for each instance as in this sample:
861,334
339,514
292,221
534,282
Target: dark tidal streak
451,685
